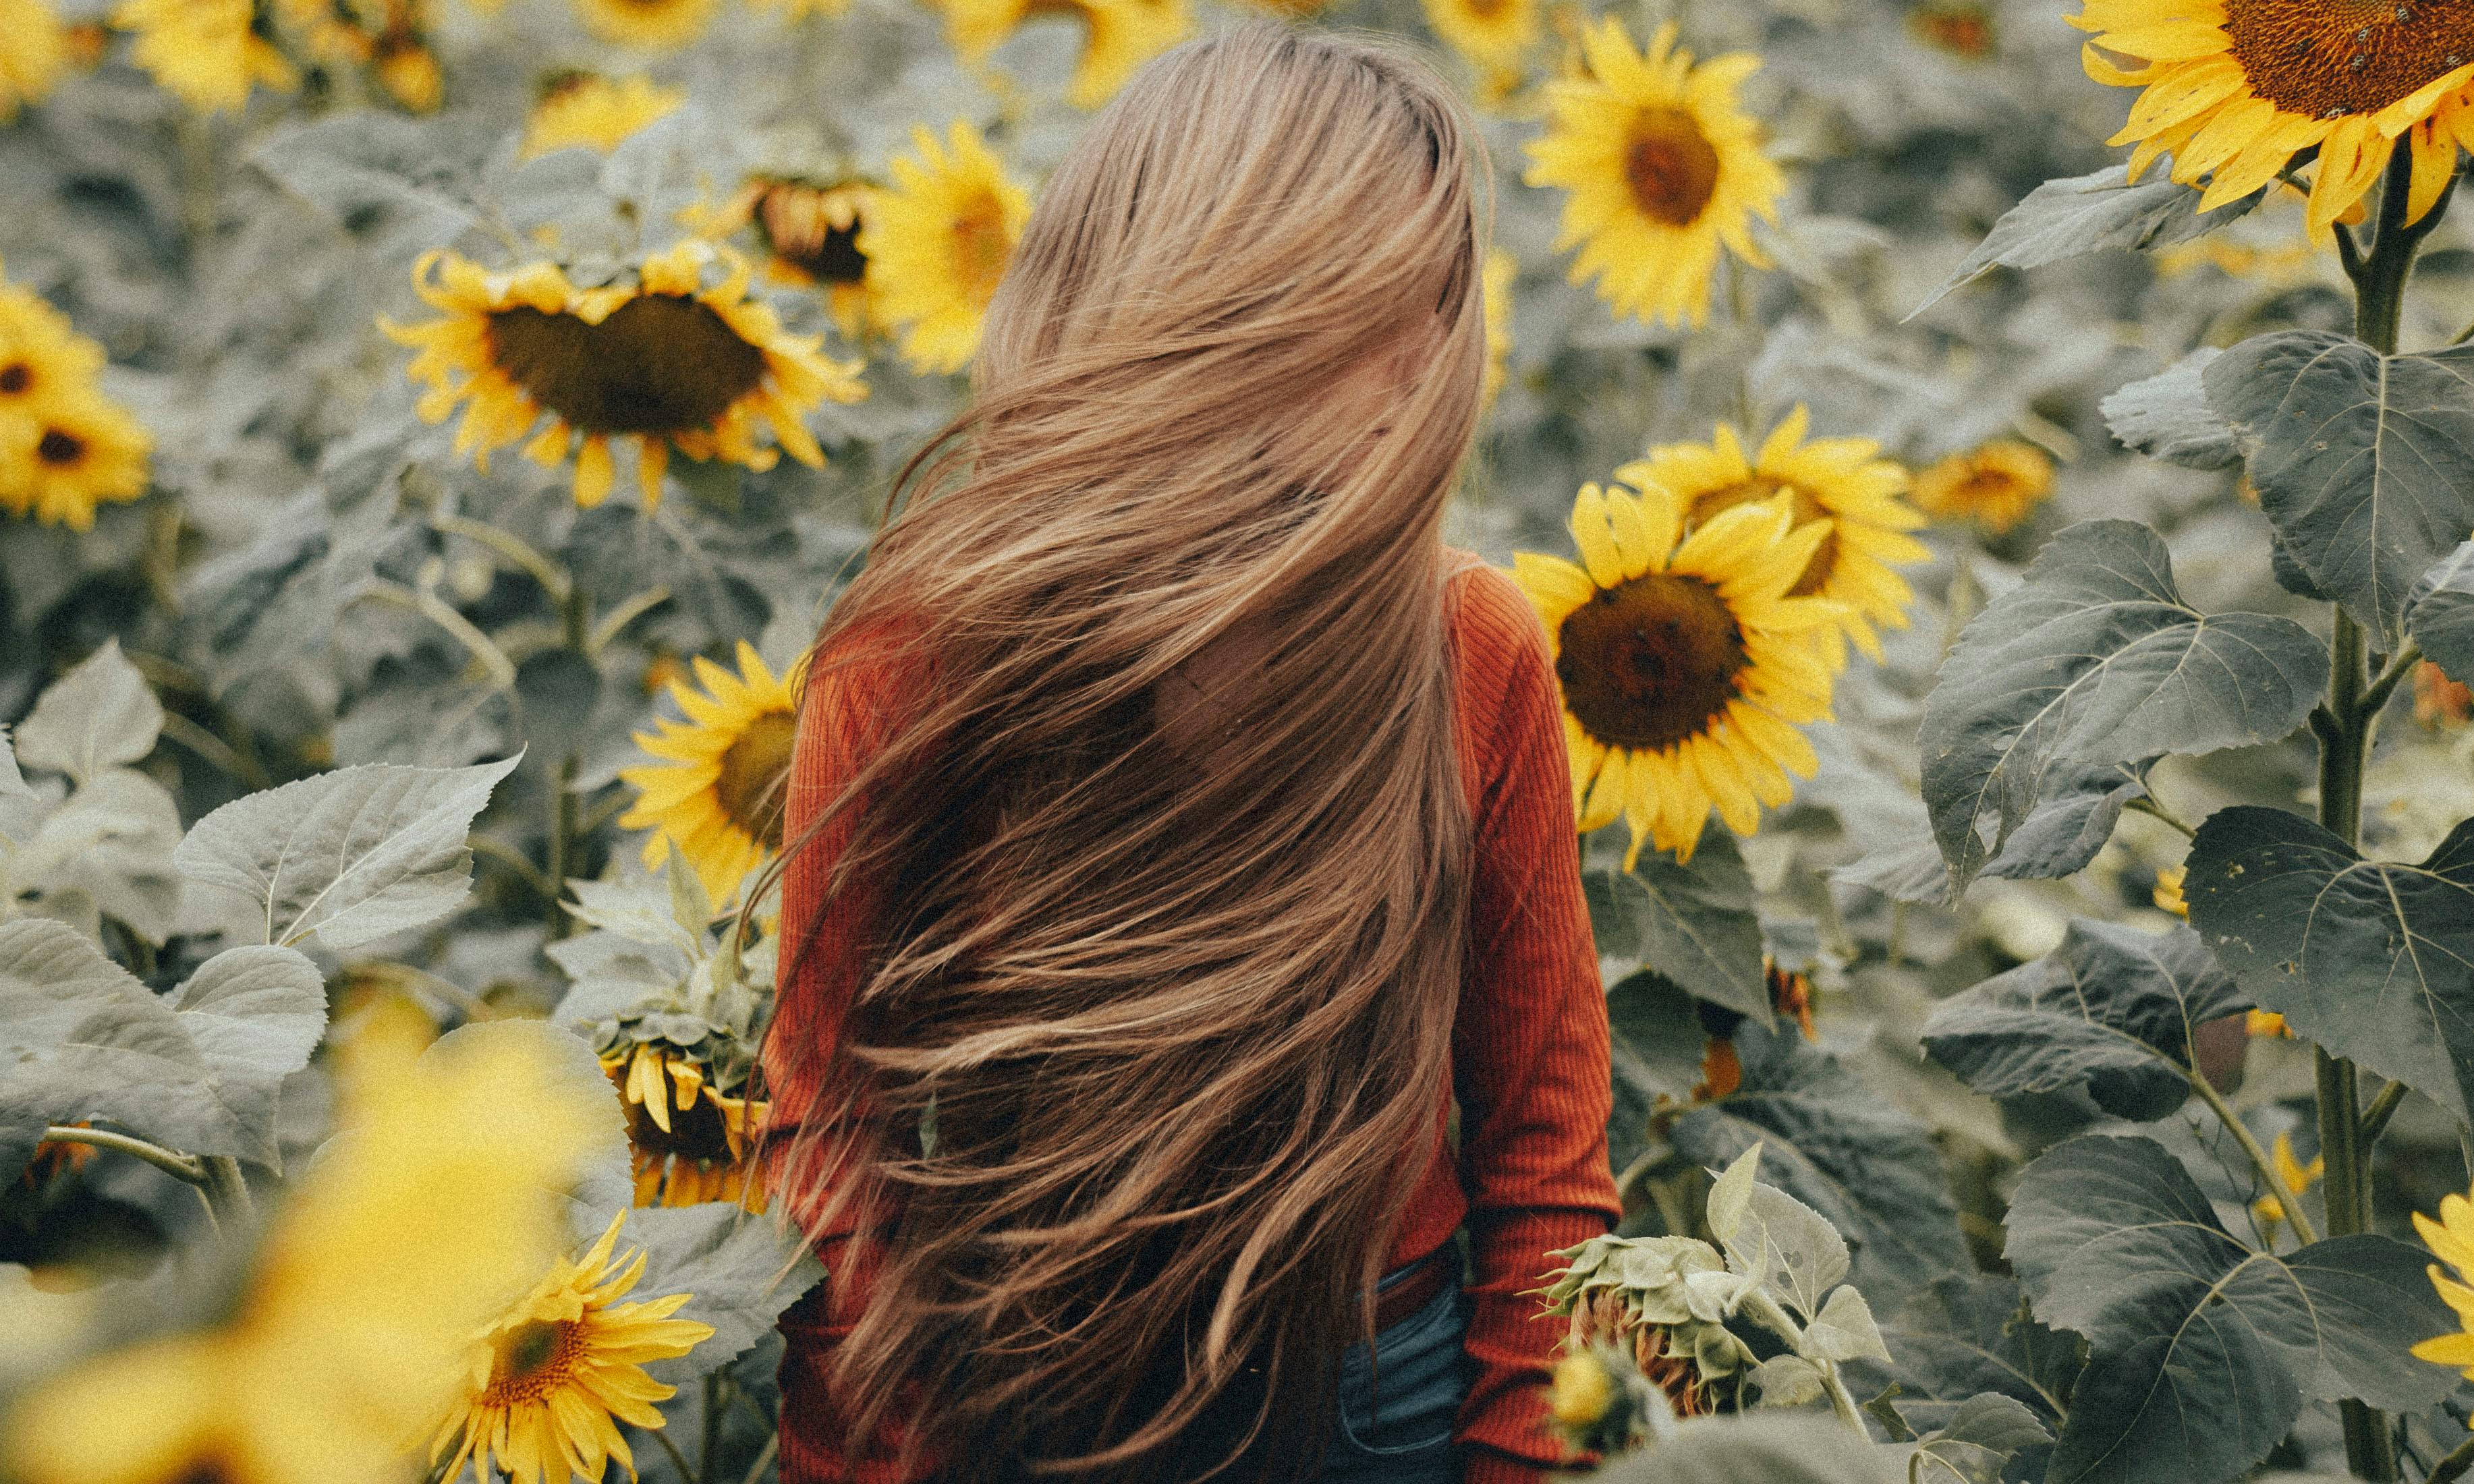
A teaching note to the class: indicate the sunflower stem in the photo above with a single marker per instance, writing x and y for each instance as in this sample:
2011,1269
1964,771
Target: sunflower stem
764,1460
2265,1167
2384,1106
227,1189
2377,695
179,1166
2453,1467
713,1402
678,1460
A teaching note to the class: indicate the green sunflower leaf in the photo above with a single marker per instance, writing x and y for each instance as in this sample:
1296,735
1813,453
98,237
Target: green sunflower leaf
2075,812
2095,659
2203,1349
1694,924
2373,960
2113,1010
256,1012
2364,462
2096,213
99,716
346,857
1979,1439
741,1269
2440,613
2168,417
1773,1449
1965,1334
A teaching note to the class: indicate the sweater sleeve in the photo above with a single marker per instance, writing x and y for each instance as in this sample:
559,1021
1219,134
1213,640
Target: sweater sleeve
1530,1045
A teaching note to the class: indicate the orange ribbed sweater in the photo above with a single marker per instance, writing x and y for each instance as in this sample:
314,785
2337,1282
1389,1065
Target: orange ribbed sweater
1529,1041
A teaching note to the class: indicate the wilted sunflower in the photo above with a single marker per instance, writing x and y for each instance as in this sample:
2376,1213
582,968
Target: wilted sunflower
1492,36
2451,1238
810,234
74,453
2235,88
938,242
653,25
665,359
1995,484
716,794
544,1384
1843,480
1663,167
34,51
1685,666
576,109
689,1139
1119,35
206,53
1495,281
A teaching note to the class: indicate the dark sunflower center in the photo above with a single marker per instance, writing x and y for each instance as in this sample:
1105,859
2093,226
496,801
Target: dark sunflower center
16,377
749,772
1650,662
696,1131
2326,59
661,363
205,1468
1825,557
980,248
1671,168
59,449
1987,485
799,226
1961,30
532,1359
1485,10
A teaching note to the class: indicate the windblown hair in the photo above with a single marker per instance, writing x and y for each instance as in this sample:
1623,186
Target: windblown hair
1153,1037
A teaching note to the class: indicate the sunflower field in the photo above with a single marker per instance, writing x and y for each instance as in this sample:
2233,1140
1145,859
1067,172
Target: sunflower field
1997,474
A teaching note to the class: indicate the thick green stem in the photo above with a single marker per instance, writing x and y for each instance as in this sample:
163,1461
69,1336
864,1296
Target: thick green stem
227,1190
575,623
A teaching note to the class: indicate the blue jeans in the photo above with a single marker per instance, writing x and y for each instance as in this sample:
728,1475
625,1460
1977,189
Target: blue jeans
1403,1434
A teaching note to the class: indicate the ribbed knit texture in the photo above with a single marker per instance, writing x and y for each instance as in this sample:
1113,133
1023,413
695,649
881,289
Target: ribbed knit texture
1529,1042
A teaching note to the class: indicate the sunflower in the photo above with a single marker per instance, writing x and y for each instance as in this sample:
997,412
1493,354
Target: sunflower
206,53
1840,479
408,71
1661,166
690,1139
42,357
577,108
714,794
653,25
810,234
2451,1239
2168,891
1119,35
34,52
665,361
1491,35
1962,28
1495,281
1996,484
2438,701
2296,1175
2235,88
801,10
936,243
544,1384
1686,664
70,455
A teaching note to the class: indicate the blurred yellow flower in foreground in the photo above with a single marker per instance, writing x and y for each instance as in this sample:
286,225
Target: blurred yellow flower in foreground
34,52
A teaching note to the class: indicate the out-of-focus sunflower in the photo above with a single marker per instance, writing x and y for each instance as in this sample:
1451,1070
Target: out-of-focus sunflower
1686,664
1494,37
1843,480
1962,28
2266,1022
809,230
801,10
2168,893
2235,88
577,108
34,52
1996,484
72,453
937,241
2451,1239
2269,1210
545,1386
1119,35
206,53
716,794
668,359
690,1139
1501,268
42,357
652,25
1663,167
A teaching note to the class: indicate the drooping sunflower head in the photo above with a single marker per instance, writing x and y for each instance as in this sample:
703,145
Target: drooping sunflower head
70,455
809,230
938,242
1842,482
546,1385
1685,661
1662,166
206,53
716,793
1494,37
650,25
33,53
2235,88
574,108
689,1139
1996,484
679,359
1119,35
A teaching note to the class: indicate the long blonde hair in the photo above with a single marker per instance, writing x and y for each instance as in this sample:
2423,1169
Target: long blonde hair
1150,1049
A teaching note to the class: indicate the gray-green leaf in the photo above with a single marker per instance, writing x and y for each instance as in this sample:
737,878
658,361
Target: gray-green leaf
345,857
1763,1449
1979,1438
2077,808
2095,659
739,1268
2168,417
254,1012
1694,924
100,715
2374,959
2089,213
2440,613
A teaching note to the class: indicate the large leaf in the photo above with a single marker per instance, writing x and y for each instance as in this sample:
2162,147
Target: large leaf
2113,1010
97,716
2095,659
2202,1348
2168,417
345,857
1837,1146
2075,812
1965,1334
2364,462
112,841
2374,959
2440,613
740,1268
13,782
2089,213
254,1014
1976,1442
1760,1449
1694,924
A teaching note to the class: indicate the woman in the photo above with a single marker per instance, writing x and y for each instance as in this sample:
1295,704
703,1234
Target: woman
1180,838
